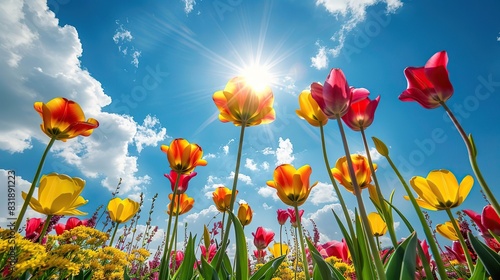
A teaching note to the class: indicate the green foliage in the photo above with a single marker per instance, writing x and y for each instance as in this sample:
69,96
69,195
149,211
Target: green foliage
402,263
267,271
489,258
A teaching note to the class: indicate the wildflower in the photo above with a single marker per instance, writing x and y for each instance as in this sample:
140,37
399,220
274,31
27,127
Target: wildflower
64,119
58,194
292,185
183,156
243,104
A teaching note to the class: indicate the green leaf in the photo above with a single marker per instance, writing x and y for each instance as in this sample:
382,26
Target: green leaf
326,271
402,263
489,258
209,272
350,244
367,269
266,272
186,268
479,271
241,249
125,274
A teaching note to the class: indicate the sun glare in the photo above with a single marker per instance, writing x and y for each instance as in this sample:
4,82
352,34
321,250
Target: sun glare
258,77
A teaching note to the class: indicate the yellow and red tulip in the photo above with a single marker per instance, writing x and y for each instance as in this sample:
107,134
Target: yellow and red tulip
292,185
310,110
429,85
222,198
240,103
447,230
377,224
361,170
183,156
64,119
440,190
122,210
245,214
58,194
182,201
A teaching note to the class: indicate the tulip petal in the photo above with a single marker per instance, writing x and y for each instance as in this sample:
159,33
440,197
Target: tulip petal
464,189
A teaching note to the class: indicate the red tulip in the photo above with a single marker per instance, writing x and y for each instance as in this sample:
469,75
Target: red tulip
457,251
177,260
293,216
282,216
489,220
259,253
335,249
361,114
183,180
34,228
262,237
429,85
335,96
71,223
210,254
425,248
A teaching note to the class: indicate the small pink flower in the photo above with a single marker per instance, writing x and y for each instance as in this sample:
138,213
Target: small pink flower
282,216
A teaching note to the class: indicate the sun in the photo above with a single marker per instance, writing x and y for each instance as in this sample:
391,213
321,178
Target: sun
258,76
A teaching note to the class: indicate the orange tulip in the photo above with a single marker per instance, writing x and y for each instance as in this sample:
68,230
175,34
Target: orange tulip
222,198
245,214
64,119
310,110
183,156
292,184
183,201
361,170
241,103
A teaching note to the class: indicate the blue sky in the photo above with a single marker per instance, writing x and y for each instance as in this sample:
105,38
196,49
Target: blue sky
147,72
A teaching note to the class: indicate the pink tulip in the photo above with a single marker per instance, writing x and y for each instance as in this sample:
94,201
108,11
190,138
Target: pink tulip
262,237
183,180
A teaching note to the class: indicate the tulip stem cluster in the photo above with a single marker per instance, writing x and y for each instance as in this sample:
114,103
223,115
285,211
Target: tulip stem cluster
461,239
33,184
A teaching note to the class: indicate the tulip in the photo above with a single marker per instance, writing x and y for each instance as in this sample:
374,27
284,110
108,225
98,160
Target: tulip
182,185
259,254
245,214
293,216
282,216
34,227
222,198
335,96
183,156
292,185
334,249
58,194
361,170
262,237
210,254
440,190
243,104
177,260
121,211
278,249
71,223
489,220
447,231
429,85
361,114
377,224
182,204
63,119
310,110
457,251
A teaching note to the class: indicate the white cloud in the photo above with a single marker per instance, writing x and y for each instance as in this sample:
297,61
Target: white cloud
225,148
284,153
287,84
323,193
42,62
353,12
268,192
266,206
149,133
268,151
373,154
135,58
265,165
123,39
325,221
209,156
121,34
320,61
250,164
242,177
189,6
202,216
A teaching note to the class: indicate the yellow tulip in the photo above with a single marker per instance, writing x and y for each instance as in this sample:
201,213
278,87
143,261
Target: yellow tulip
361,170
120,210
58,194
64,119
183,156
245,214
310,110
241,103
377,224
277,248
440,190
183,200
222,198
292,185
447,230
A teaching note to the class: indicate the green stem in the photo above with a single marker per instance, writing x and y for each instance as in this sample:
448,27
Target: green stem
44,229
222,226
427,231
281,243
468,257
164,266
364,218
233,194
174,235
113,236
296,252
33,184
335,186
473,161
305,264
385,211
378,242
